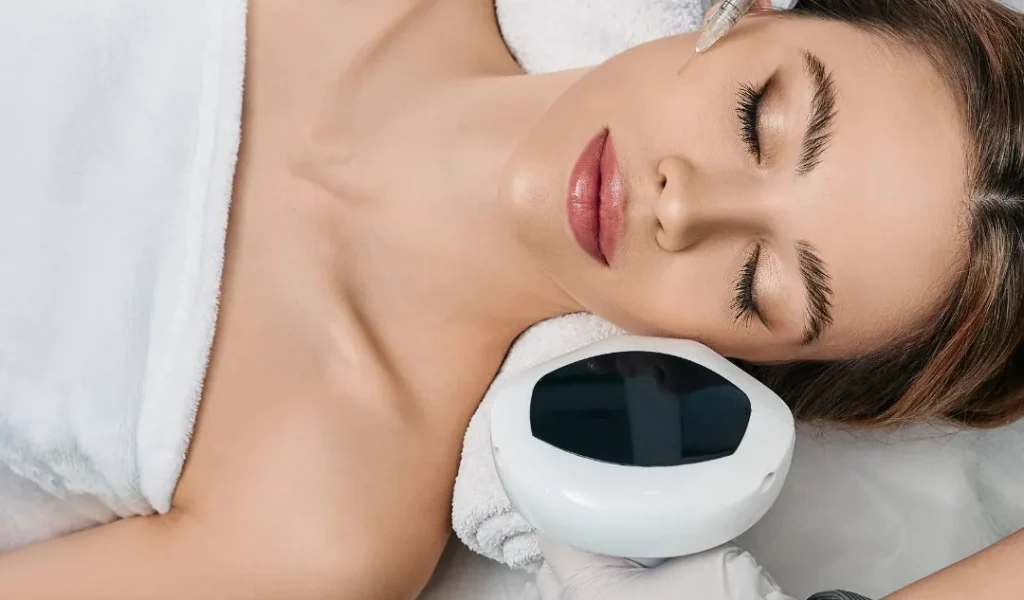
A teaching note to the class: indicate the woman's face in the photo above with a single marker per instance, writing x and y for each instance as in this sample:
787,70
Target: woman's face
796,192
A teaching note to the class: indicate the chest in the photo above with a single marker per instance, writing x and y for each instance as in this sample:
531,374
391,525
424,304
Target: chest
334,289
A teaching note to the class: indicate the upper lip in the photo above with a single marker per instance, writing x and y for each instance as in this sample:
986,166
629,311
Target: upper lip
595,199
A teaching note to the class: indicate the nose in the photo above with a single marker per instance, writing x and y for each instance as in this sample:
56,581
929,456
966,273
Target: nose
694,204
676,214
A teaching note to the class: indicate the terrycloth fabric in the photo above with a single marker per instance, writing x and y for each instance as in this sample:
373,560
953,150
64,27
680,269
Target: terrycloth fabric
482,515
553,35
120,126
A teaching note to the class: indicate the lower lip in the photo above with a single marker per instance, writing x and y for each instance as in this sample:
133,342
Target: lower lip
594,203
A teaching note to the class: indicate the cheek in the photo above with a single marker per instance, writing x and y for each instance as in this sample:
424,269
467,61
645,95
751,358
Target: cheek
684,295
639,95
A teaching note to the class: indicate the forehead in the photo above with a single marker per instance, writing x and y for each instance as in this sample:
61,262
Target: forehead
886,206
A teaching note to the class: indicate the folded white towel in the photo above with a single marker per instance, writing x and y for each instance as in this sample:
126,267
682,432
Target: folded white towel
482,515
554,35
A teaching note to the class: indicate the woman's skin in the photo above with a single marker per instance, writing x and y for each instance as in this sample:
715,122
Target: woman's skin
992,574
399,217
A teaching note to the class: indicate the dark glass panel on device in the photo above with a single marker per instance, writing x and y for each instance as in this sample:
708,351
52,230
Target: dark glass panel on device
640,409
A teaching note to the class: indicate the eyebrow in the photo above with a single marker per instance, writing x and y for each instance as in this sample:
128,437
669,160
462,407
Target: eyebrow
818,289
822,115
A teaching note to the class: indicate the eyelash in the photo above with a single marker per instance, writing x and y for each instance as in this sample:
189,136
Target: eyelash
749,109
744,303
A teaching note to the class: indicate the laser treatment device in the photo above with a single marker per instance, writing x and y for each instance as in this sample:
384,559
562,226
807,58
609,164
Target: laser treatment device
639,447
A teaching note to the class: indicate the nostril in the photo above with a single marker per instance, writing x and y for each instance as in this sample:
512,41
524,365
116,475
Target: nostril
663,182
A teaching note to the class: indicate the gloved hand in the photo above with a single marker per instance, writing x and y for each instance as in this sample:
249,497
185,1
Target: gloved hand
725,573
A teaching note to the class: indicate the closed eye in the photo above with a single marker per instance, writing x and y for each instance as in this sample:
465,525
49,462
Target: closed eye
748,110
744,303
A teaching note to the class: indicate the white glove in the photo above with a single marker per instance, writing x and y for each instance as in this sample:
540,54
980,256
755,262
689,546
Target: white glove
725,573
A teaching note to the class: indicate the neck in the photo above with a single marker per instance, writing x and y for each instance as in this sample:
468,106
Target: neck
429,259
442,278
499,285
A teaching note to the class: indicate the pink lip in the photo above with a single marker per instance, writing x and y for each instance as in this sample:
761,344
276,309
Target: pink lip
594,203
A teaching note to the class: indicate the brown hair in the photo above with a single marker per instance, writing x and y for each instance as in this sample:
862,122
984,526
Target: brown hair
965,365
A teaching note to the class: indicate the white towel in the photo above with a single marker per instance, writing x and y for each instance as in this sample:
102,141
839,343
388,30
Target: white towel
482,515
553,35
119,127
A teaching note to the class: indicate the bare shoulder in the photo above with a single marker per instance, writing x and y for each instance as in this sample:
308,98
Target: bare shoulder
340,485
361,500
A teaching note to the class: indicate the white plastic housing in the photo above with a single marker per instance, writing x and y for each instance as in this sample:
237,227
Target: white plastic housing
641,512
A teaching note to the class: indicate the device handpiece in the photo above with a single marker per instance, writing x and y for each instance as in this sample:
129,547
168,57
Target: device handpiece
722,21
